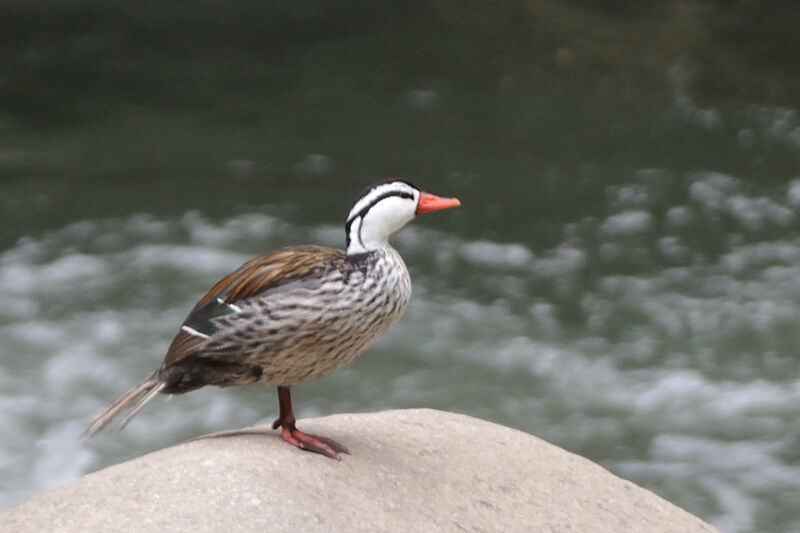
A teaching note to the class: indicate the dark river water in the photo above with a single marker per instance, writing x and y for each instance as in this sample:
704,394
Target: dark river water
622,279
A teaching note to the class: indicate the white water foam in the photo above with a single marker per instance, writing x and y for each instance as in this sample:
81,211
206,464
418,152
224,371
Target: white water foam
680,375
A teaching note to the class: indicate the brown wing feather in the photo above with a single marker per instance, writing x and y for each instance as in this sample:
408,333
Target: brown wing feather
183,345
253,278
271,271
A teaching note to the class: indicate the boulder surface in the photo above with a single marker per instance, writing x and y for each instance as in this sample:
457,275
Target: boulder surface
410,470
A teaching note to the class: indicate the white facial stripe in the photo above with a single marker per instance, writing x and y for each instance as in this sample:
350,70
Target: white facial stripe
354,229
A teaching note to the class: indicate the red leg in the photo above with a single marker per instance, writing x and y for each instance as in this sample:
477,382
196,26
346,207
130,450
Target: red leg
295,437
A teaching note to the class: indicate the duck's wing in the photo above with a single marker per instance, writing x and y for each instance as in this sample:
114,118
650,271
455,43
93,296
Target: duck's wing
290,268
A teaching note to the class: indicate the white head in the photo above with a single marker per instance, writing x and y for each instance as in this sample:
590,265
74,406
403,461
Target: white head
384,208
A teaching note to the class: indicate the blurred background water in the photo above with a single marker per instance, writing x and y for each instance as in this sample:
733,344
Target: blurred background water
623,278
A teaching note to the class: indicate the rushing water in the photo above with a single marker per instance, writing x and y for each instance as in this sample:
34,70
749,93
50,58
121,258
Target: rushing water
621,281
681,376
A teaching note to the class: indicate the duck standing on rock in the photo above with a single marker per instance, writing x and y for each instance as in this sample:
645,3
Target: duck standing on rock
294,315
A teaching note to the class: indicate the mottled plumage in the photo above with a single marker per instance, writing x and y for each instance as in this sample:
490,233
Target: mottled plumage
302,313
294,315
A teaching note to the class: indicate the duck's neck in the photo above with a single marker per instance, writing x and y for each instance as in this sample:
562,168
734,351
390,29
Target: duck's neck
363,239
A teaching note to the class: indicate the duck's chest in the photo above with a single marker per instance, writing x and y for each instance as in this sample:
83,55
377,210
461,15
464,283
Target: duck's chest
377,286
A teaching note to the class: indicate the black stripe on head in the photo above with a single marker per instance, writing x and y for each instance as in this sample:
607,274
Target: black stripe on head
369,189
363,211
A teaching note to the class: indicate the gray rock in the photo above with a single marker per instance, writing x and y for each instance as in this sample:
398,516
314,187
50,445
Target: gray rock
412,470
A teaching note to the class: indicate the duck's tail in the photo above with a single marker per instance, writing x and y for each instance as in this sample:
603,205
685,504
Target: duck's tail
131,403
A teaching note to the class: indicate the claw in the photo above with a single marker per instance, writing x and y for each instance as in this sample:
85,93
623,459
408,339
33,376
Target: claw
312,443
295,437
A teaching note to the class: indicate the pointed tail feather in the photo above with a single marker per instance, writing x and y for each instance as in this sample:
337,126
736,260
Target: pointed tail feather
132,402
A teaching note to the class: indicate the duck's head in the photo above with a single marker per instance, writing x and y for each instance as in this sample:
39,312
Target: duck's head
384,208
